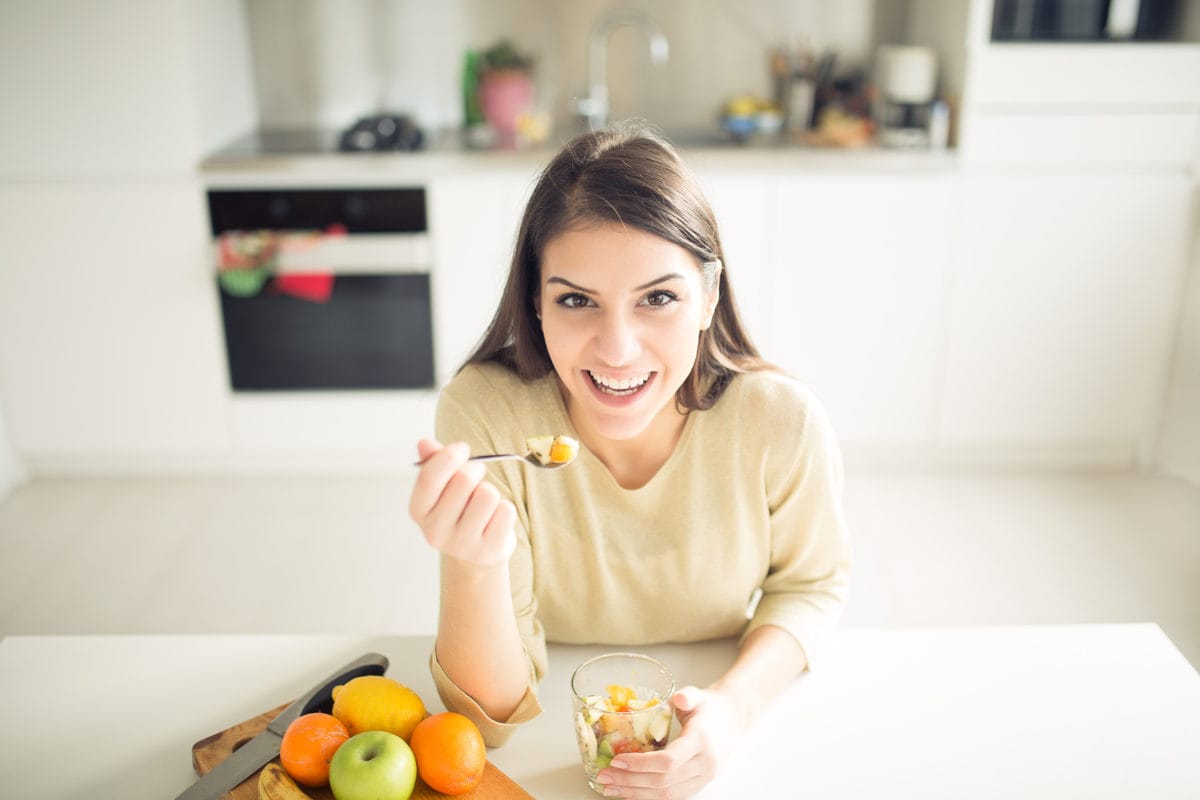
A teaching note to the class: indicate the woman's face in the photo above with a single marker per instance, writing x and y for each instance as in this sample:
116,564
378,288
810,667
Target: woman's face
621,311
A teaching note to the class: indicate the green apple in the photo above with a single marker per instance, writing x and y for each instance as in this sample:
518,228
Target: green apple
373,765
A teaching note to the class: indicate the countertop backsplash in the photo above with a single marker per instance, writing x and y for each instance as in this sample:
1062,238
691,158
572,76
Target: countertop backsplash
320,64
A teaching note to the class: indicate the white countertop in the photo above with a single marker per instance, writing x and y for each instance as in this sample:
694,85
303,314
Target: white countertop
245,164
1031,712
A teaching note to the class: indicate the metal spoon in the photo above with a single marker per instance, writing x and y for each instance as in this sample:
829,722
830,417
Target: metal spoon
530,457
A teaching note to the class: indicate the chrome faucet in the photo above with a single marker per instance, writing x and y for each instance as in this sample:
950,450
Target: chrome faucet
595,106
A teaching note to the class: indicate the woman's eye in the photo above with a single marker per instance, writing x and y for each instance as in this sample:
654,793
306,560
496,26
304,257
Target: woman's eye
660,298
572,300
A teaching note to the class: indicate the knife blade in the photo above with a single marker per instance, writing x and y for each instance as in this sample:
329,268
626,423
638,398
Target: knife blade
248,758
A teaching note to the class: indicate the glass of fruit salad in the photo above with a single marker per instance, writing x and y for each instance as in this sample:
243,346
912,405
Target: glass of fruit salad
620,706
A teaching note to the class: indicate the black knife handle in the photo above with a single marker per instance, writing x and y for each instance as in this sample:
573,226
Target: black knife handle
321,696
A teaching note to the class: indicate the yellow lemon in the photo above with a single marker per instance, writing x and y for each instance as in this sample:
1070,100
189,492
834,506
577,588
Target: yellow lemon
376,703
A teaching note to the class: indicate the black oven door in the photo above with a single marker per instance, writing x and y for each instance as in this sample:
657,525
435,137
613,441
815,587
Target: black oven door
371,329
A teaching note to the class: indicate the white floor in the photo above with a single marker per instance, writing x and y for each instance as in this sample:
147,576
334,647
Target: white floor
297,555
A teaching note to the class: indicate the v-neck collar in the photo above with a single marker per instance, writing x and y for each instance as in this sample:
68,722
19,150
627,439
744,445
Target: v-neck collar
593,461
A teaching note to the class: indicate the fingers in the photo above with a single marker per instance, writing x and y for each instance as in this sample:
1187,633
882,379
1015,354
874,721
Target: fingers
670,758
465,504
426,448
664,774
441,464
681,769
460,513
501,533
683,789
686,699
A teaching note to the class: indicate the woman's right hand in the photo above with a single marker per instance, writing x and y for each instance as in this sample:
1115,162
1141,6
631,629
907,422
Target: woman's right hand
462,515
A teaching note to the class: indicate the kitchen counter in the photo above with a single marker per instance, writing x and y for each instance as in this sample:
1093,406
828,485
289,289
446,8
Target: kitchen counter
1033,712
307,156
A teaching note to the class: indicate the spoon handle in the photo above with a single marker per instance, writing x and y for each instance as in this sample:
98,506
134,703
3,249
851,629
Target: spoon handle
491,457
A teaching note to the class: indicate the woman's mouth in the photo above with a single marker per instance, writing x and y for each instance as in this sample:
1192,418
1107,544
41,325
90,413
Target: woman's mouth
619,387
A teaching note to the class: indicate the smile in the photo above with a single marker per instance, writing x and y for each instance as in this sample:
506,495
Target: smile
619,387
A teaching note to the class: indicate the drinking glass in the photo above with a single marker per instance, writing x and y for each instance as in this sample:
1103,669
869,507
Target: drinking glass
620,705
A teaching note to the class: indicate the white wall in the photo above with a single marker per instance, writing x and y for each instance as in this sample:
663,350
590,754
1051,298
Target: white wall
1179,437
107,110
323,63
11,470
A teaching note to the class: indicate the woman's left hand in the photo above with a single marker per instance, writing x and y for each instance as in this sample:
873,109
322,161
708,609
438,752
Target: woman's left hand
711,725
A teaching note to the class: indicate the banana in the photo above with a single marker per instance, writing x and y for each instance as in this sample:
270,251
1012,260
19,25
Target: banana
275,784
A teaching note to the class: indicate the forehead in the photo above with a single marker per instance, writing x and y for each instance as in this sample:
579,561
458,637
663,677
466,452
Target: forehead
613,254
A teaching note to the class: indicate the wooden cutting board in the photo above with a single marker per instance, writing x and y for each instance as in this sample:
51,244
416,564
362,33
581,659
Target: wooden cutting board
212,750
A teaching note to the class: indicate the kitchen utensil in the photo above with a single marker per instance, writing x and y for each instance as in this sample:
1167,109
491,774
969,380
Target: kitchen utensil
256,752
210,751
530,457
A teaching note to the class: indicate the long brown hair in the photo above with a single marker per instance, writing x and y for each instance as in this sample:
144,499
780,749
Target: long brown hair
631,176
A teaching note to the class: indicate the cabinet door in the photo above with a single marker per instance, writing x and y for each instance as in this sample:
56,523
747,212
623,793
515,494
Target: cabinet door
858,299
473,223
110,343
742,205
1062,309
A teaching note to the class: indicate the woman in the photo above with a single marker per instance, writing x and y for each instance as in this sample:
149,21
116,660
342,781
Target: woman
705,479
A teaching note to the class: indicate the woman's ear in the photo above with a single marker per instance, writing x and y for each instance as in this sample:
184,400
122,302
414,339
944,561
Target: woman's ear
537,306
711,270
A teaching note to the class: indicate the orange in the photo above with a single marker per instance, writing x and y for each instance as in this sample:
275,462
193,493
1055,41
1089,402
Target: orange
308,745
377,703
450,753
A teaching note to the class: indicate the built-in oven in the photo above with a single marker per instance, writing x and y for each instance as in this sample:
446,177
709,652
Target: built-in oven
345,302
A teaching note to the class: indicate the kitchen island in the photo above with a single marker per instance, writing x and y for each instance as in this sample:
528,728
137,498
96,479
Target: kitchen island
1032,712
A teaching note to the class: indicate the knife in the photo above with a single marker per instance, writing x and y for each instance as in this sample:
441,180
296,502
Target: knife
262,748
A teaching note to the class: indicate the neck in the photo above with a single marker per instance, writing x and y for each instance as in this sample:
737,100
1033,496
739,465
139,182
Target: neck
632,462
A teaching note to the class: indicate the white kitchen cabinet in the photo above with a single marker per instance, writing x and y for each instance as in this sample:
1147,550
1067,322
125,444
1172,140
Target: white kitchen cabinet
742,204
858,299
109,329
1063,306
473,220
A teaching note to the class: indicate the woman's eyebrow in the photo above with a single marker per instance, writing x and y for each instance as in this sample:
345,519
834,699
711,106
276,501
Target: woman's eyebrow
565,282
668,277
662,279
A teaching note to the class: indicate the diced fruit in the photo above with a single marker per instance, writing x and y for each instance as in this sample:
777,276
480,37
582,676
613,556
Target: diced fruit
620,696
660,724
563,449
620,722
587,737
604,754
552,449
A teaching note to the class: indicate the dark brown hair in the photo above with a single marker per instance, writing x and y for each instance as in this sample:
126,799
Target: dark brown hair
631,176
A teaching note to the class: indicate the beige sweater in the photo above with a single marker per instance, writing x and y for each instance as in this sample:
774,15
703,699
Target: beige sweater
750,499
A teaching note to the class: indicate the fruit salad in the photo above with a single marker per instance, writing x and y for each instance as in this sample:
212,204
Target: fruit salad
620,722
552,449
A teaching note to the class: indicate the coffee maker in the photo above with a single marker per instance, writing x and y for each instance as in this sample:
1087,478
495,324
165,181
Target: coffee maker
907,112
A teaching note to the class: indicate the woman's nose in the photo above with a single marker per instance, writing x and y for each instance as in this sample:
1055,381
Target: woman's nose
617,340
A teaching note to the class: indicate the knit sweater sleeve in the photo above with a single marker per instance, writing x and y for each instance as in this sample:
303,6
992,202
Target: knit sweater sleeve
807,581
461,417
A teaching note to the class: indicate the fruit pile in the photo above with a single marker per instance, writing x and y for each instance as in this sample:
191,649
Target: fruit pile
374,744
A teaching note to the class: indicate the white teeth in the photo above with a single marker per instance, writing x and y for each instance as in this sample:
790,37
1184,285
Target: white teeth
619,385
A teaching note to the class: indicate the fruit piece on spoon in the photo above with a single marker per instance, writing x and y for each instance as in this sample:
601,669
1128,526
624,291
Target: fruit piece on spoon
552,449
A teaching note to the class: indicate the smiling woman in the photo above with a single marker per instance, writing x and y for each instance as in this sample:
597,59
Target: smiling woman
622,334
618,325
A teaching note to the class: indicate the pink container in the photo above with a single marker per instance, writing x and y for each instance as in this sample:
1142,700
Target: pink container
504,95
